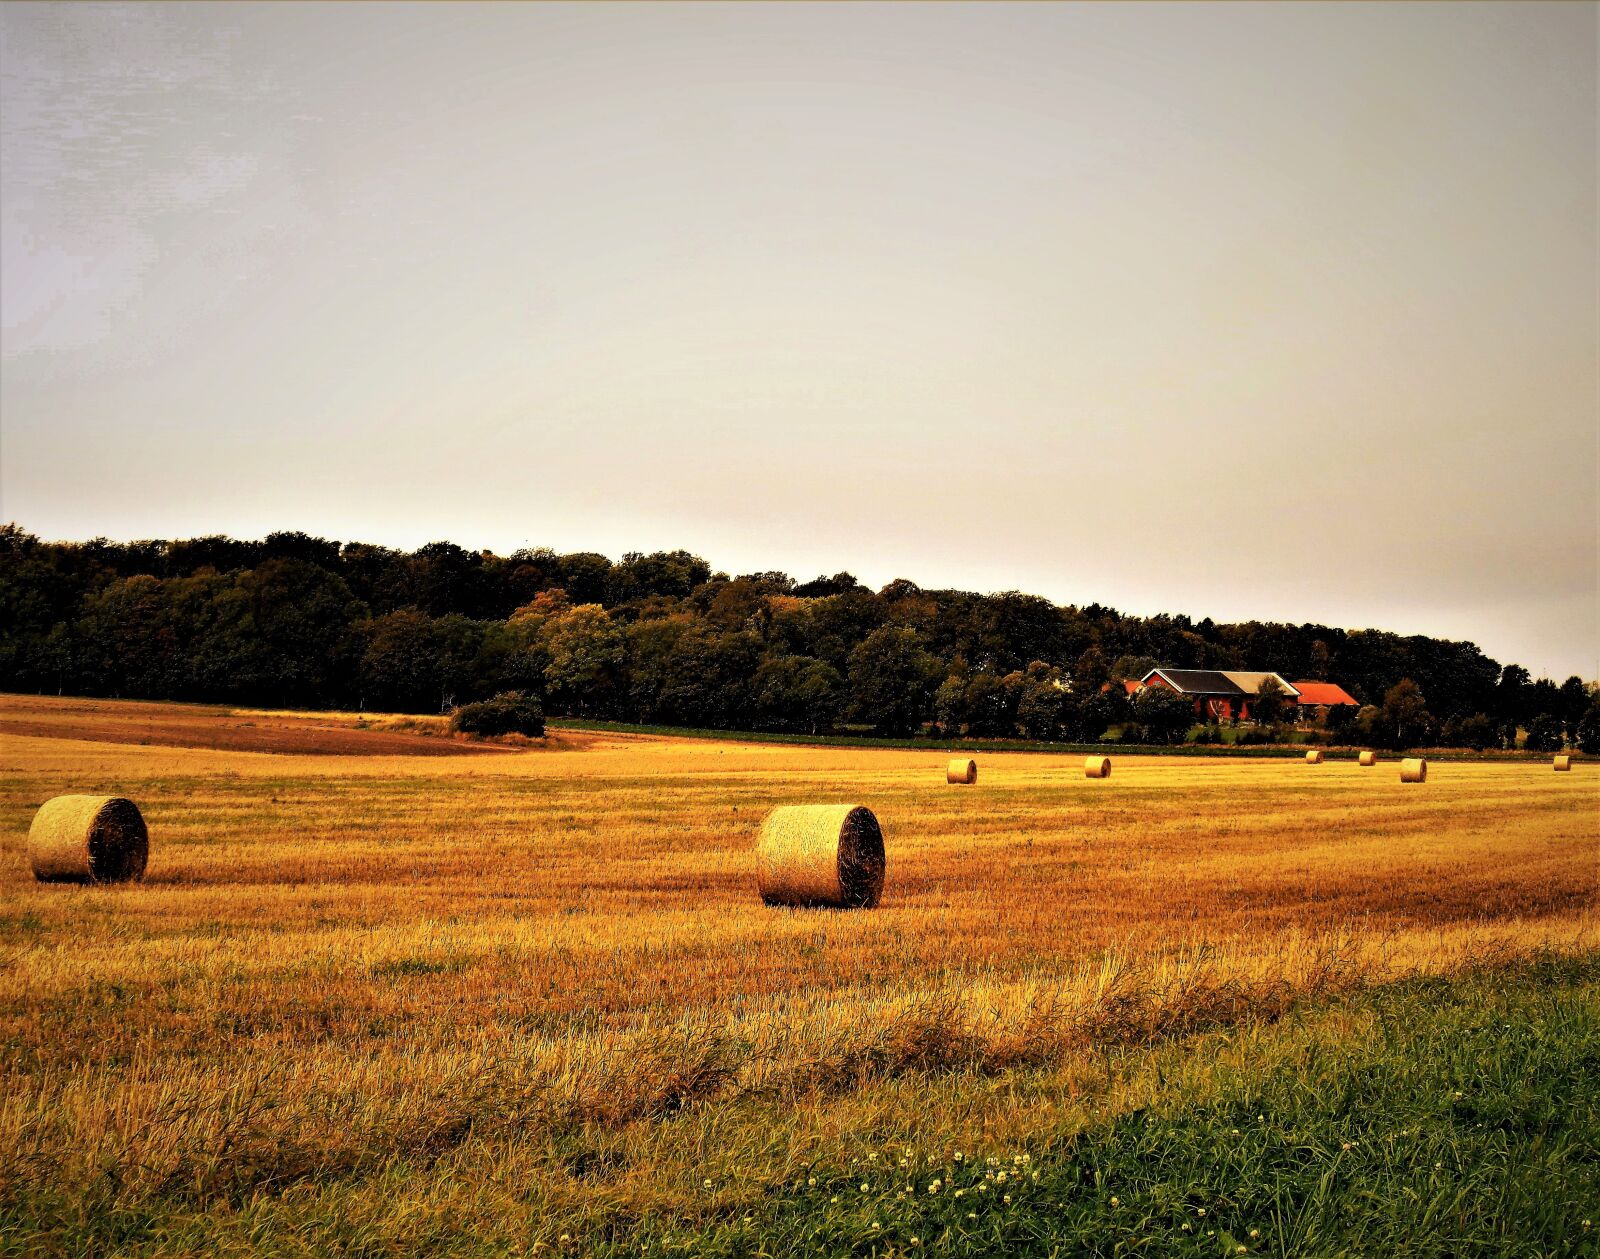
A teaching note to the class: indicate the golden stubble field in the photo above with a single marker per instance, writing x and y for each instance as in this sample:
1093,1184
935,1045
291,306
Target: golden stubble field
341,959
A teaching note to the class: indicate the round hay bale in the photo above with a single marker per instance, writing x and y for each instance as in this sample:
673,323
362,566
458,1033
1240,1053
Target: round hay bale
88,839
1414,770
1314,757
1563,763
820,854
964,772
1368,758
1097,767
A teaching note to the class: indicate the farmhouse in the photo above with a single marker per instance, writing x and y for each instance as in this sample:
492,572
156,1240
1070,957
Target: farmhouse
1218,694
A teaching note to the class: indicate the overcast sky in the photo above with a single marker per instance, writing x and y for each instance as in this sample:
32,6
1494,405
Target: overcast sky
1279,312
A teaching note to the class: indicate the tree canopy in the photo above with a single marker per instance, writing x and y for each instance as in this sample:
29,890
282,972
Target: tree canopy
304,621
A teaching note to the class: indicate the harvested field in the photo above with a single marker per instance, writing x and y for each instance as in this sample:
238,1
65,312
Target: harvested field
552,965
233,729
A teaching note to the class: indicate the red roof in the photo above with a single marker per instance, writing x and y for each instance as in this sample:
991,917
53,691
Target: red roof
1321,694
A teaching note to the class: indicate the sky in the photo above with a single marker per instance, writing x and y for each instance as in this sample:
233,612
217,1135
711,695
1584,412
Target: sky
1278,312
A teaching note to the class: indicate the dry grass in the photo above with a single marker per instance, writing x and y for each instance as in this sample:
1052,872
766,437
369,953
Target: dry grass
336,961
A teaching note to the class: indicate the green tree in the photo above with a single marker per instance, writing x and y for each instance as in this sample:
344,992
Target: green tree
1572,702
1162,715
1270,704
647,655
127,642
1405,719
709,676
1475,731
1130,668
892,680
400,666
301,616
1545,734
1340,721
584,650
1588,736
991,704
1045,709
797,693
950,705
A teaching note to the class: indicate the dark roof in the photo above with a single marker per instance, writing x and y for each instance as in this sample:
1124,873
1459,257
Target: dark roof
1199,681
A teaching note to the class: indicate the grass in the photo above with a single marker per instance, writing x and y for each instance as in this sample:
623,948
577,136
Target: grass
379,1003
1429,1118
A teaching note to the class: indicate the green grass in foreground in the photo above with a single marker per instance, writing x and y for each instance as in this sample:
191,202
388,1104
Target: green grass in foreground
1465,1122
1455,1118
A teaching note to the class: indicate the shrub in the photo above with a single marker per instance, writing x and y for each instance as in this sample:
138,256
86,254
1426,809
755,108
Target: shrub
510,712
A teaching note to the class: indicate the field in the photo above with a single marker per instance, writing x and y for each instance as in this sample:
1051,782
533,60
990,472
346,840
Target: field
387,992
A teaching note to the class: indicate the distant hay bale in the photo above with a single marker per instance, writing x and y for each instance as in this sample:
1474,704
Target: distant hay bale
820,854
1414,770
1563,763
1314,756
1368,758
964,772
1097,767
88,839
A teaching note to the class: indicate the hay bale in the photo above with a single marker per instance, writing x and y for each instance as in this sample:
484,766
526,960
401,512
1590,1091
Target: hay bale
88,839
1097,767
964,772
1314,756
1563,763
1413,770
1368,758
820,854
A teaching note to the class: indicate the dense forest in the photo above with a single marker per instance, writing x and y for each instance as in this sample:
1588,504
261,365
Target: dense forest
299,621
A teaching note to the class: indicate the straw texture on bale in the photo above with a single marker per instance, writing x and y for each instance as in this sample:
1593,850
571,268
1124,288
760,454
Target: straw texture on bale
965,772
1097,767
88,839
1414,770
1368,758
1563,763
820,854
1314,757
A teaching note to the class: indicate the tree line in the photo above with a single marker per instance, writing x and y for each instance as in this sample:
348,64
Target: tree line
298,621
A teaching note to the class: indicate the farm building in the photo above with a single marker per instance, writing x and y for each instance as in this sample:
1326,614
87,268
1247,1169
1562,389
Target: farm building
1323,695
1218,694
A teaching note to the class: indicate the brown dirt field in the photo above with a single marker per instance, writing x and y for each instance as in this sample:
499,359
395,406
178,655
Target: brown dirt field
225,729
